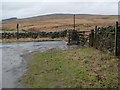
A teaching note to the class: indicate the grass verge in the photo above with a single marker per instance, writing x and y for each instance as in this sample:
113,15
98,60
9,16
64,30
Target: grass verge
82,68
30,40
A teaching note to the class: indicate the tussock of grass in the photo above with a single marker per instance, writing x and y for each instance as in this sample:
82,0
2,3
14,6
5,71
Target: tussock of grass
83,68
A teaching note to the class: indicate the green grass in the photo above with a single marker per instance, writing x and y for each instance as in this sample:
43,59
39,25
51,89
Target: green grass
82,68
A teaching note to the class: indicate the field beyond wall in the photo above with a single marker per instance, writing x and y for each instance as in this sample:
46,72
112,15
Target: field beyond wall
58,22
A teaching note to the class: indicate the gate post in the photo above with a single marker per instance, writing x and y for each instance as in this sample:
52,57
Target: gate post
95,38
117,40
91,38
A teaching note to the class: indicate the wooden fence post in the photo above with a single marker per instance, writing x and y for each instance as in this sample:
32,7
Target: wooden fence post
17,31
91,42
117,40
74,21
95,38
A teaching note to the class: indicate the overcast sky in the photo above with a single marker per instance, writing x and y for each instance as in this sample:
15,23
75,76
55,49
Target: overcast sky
25,8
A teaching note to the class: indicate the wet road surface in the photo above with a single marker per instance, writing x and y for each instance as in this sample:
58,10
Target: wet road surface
13,64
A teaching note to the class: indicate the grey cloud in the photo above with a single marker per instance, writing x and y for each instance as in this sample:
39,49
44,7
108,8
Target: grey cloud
29,9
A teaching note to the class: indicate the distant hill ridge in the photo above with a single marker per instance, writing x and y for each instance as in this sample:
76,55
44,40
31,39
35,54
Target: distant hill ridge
10,19
59,15
50,16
